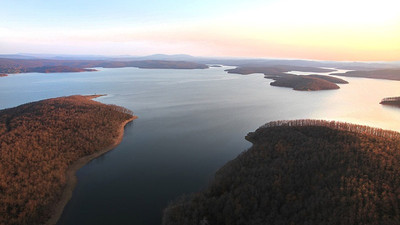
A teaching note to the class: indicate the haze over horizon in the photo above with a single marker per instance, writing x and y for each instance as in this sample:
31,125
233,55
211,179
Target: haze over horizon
322,30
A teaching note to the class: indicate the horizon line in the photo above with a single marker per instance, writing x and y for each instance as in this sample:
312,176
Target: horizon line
35,54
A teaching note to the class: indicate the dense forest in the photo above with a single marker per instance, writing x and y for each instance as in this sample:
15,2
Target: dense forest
38,141
10,66
394,101
302,172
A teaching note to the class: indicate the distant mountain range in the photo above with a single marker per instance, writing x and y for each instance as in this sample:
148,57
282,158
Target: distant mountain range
215,60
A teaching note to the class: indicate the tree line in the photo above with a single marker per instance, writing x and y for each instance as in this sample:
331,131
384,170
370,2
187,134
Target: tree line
391,99
362,129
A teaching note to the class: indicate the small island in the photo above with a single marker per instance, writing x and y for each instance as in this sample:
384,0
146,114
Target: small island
387,74
297,82
307,83
393,101
43,144
302,172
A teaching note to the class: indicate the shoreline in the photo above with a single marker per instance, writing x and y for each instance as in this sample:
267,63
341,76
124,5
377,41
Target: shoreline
73,168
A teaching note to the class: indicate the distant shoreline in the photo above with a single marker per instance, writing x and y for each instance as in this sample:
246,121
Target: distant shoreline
71,173
16,66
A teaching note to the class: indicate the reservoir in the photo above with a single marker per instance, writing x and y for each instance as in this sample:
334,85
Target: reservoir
191,122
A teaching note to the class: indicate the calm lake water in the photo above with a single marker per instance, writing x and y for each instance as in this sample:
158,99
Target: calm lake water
191,122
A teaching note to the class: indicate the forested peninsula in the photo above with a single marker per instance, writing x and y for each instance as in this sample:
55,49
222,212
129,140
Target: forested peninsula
275,70
387,74
43,144
282,78
302,172
12,66
393,101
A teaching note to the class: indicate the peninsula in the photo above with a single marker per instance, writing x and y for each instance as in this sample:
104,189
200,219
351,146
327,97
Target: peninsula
43,144
276,70
11,66
394,101
300,83
302,172
387,74
306,83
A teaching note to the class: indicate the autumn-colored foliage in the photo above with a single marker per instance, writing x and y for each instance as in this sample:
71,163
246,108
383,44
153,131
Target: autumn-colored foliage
302,172
38,141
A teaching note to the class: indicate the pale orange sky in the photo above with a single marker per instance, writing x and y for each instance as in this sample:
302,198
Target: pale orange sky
348,30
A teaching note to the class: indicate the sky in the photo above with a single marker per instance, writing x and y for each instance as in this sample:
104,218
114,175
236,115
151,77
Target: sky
341,30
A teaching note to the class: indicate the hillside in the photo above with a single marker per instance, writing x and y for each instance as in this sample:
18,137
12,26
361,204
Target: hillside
302,172
39,141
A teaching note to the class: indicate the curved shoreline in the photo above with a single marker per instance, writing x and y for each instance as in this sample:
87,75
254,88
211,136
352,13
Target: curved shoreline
71,174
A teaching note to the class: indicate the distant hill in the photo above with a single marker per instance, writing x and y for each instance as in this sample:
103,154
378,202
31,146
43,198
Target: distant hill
228,61
178,57
302,172
16,56
10,66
